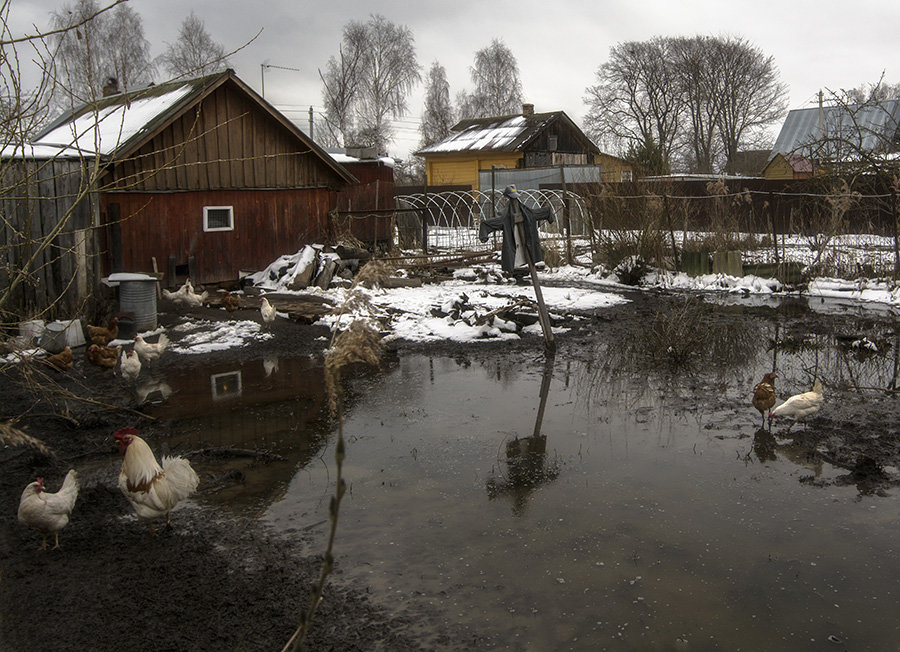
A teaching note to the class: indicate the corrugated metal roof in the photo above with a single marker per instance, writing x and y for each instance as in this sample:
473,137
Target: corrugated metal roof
867,127
508,133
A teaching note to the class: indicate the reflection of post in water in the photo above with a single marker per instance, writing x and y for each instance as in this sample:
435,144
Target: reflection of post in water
526,457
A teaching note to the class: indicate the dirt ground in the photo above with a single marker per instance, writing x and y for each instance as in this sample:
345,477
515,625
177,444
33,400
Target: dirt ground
217,581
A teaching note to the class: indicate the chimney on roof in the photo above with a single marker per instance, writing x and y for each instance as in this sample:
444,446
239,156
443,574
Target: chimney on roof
528,110
111,87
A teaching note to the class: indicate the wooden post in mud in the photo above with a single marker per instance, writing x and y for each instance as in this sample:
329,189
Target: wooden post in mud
543,315
567,216
896,236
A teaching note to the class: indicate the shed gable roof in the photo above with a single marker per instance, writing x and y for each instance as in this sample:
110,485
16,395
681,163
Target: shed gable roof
116,126
510,133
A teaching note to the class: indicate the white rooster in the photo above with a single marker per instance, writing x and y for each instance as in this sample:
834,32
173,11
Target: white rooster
152,490
150,352
130,366
267,310
800,406
46,512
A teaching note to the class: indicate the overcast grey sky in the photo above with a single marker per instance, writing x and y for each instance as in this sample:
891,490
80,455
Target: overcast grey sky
559,45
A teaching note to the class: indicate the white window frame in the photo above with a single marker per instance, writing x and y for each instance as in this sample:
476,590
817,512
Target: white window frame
230,210
627,175
236,390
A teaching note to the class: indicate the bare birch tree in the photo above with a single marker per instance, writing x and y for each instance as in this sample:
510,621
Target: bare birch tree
497,88
340,84
437,118
369,83
93,47
194,52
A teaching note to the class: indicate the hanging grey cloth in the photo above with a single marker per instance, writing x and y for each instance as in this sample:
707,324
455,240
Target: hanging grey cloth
505,222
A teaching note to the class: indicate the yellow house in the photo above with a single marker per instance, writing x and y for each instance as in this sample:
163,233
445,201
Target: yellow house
788,166
526,140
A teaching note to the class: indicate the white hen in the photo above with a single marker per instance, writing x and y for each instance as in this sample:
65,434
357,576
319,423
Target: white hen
800,406
130,366
150,352
46,512
267,310
152,490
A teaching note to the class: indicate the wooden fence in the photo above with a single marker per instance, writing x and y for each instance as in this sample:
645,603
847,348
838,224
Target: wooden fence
49,260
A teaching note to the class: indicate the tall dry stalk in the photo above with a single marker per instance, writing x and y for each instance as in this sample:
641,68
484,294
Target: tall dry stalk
358,343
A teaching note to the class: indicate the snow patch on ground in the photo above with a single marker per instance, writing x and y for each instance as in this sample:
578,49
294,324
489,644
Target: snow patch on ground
204,336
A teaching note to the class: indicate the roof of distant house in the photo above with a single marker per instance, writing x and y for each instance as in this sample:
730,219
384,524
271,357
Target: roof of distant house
866,127
509,133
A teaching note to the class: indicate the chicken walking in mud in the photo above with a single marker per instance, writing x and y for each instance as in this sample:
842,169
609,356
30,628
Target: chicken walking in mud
764,395
800,407
48,512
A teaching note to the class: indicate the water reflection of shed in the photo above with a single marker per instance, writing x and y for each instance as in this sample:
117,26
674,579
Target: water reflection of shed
256,422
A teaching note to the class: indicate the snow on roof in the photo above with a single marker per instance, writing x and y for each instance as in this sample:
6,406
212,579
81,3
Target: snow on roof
105,130
343,158
39,152
495,135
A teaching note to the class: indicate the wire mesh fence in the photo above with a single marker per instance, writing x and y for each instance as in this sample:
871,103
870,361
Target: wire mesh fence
839,232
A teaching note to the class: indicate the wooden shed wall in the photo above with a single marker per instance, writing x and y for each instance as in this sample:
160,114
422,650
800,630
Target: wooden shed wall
37,197
267,224
375,190
225,141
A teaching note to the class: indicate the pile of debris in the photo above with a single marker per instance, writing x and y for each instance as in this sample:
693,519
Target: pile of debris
312,266
511,318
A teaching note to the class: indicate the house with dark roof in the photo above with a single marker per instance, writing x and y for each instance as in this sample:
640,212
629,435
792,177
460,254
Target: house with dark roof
202,177
526,140
819,138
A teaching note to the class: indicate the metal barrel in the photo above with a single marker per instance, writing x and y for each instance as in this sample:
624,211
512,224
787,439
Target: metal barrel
139,298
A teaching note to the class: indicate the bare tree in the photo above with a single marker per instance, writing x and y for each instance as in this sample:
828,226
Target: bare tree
31,247
389,72
698,87
751,94
340,84
635,100
194,52
437,118
877,91
369,83
699,99
95,47
497,86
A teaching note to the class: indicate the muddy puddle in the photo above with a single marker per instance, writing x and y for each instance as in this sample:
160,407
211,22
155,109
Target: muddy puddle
584,500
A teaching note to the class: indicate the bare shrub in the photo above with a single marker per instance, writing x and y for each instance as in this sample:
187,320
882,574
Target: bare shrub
633,226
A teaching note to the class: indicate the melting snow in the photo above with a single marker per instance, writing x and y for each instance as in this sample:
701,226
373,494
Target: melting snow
205,336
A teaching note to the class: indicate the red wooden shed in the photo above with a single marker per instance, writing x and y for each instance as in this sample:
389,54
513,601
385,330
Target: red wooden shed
204,176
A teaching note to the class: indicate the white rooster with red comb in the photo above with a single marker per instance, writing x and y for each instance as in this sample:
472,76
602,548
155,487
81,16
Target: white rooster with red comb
152,490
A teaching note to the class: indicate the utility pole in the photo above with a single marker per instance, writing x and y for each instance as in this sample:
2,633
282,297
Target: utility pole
310,123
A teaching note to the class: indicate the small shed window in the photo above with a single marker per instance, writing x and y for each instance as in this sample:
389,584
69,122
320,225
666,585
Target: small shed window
218,218
626,175
552,143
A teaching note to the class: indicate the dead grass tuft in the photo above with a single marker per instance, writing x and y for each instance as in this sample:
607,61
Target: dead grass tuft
12,436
